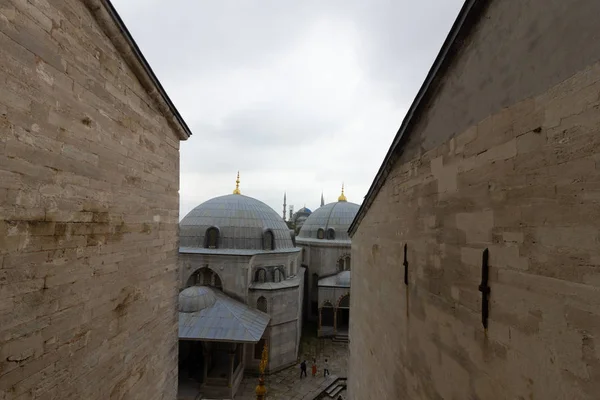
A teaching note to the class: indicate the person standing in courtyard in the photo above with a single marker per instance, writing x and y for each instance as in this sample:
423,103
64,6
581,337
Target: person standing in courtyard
326,369
303,369
314,367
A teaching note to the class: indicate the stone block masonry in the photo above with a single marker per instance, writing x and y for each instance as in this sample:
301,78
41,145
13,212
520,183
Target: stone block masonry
504,156
89,180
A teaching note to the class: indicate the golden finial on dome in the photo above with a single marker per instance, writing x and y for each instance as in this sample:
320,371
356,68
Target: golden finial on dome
342,197
237,184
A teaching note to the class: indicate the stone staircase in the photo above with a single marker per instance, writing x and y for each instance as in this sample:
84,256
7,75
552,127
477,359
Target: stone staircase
333,390
341,338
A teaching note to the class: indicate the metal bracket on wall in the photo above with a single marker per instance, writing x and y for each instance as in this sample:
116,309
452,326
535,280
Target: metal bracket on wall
405,266
484,288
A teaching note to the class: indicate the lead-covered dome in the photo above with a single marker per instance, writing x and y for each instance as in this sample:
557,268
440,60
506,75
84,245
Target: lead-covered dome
330,222
196,298
234,221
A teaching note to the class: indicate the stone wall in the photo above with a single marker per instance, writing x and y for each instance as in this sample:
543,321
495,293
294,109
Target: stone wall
232,270
513,168
321,257
89,176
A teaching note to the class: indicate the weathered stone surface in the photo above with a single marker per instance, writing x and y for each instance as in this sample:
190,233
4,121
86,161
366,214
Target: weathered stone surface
89,178
526,187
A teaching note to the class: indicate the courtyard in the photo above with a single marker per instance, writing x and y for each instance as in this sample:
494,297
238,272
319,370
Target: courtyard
287,385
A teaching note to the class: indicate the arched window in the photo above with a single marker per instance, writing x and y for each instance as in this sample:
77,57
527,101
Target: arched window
320,233
340,264
268,241
330,234
261,304
278,275
205,277
347,268
212,238
260,275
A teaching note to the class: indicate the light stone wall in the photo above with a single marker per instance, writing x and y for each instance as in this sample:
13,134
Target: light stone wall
284,305
332,295
521,180
89,180
285,311
233,271
321,258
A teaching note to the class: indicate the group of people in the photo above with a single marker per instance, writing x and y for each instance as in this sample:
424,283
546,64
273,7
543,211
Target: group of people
314,368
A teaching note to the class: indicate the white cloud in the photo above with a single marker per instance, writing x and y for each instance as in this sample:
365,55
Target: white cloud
298,96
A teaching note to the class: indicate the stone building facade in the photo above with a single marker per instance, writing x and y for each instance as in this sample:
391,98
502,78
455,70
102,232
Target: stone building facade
89,180
241,247
500,151
326,256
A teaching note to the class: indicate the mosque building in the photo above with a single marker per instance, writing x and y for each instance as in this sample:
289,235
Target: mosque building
296,219
323,238
241,287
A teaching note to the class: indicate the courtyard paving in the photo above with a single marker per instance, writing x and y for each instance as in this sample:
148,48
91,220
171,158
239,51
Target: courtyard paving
287,385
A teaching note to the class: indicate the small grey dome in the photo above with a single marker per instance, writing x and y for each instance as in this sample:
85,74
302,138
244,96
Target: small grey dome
240,220
343,278
196,298
338,215
303,210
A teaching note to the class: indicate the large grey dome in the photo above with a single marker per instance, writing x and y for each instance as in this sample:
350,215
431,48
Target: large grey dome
337,216
241,221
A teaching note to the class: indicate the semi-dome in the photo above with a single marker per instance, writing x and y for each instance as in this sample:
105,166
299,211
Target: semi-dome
234,221
330,221
196,298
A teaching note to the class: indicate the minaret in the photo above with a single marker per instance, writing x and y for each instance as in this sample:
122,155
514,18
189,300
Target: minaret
291,211
342,196
284,205
322,200
237,184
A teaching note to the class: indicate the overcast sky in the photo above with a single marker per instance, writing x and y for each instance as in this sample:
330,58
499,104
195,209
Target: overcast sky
299,96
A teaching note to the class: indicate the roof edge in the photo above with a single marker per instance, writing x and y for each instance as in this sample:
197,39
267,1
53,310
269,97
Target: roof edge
114,28
468,15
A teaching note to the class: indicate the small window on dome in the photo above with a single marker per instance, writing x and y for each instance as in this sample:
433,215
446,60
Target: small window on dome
330,234
320,234
212,238
268,241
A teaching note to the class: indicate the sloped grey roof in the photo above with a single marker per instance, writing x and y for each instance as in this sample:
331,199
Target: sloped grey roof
227,320
241,221
341,279
291,282
337,215
236,252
